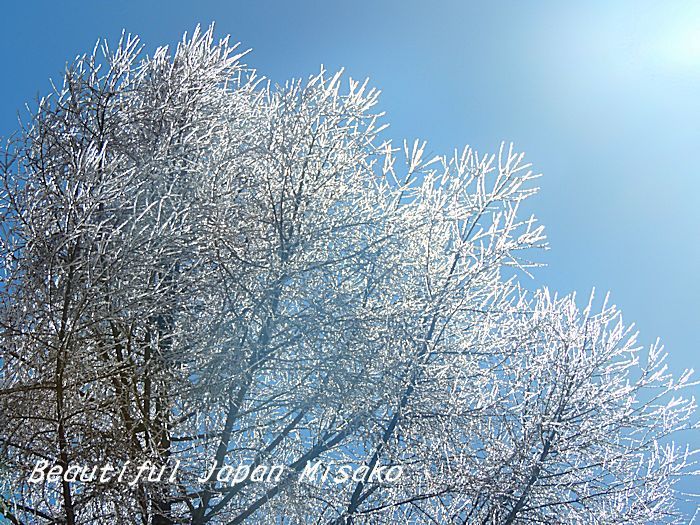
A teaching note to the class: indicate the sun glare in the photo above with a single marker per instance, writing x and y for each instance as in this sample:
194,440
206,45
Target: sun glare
680,47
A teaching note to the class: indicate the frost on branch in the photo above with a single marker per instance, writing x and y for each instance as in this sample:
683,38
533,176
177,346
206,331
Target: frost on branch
202,269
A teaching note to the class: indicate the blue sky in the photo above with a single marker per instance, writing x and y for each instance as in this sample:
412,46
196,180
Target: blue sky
604,97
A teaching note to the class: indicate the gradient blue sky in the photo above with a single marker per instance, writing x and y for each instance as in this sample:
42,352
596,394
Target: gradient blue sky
603,96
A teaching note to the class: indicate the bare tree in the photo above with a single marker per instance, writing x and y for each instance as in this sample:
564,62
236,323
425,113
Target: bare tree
204,270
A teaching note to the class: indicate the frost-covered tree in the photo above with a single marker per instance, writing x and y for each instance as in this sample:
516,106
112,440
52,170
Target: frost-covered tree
204,269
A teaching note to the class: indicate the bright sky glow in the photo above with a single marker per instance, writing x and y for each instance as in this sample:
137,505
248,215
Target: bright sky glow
681,47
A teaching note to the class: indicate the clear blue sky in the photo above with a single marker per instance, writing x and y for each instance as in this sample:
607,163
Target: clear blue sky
603,96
